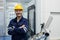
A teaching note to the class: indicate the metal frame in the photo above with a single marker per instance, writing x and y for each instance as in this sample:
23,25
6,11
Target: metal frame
30,8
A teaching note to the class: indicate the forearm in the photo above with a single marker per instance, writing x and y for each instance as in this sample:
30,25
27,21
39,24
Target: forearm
16,31
11,31
19,30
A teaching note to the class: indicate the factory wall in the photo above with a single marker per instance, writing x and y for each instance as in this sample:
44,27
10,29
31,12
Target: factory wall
51,7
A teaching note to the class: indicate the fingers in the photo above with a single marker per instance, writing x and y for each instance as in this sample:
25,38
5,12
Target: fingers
10,28
13,26
22,26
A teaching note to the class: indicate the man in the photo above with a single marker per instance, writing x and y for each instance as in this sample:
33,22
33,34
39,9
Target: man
18,26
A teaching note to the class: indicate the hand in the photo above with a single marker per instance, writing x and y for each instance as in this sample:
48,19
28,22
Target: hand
10,28
22,26
13,27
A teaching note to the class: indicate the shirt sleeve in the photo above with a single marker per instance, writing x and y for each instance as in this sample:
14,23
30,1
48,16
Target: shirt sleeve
26,26
11,30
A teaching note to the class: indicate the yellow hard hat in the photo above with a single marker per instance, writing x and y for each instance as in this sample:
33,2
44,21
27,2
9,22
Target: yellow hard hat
18,6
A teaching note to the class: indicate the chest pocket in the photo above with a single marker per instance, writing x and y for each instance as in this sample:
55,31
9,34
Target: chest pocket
20,24
14,24
17,24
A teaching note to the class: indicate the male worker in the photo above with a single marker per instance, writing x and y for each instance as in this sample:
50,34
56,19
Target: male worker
18,26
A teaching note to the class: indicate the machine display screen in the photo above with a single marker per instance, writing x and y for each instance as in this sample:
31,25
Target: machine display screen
31,18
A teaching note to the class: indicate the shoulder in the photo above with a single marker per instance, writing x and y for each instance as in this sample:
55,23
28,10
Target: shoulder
12,20
25,19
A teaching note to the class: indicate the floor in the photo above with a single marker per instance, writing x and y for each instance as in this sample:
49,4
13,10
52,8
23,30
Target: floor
5,37
9,38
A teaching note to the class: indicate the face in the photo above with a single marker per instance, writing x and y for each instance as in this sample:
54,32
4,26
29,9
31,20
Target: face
18,12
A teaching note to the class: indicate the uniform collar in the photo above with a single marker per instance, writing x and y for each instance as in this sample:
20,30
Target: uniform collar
19,20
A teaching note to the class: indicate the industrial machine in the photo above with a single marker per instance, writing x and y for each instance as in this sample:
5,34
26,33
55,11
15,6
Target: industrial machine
44,32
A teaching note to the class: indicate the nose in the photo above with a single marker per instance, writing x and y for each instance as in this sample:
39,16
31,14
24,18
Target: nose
18,11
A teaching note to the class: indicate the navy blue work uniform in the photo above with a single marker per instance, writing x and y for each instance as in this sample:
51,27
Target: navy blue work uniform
17,33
